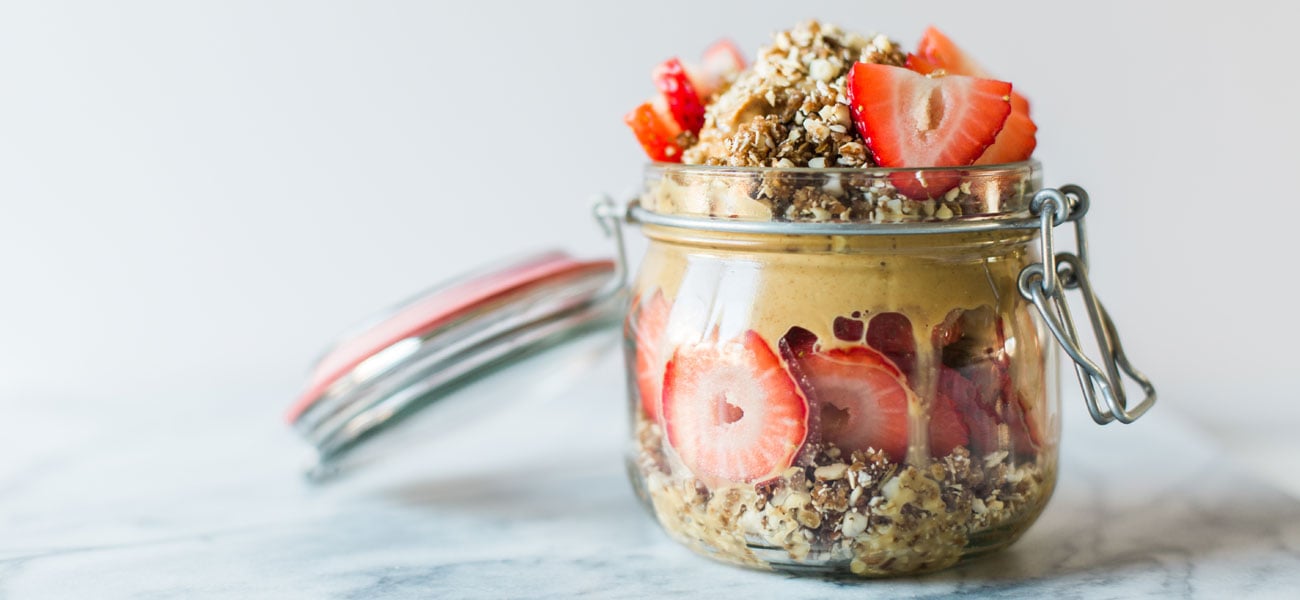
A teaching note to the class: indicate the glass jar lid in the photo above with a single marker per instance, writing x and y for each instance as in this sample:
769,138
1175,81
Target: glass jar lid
417,353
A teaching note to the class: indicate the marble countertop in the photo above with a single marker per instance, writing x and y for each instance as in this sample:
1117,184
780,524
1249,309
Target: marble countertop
201,496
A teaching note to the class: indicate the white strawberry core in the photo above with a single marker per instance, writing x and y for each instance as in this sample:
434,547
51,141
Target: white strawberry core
927,106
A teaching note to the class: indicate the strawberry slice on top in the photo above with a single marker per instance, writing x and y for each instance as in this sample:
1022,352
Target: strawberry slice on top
922,65
656,129
1017,140
731,411
648,323
911,120
684,89
938,50
684,102
720,61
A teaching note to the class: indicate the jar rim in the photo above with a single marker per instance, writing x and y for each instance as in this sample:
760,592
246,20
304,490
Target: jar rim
841,199
1029,165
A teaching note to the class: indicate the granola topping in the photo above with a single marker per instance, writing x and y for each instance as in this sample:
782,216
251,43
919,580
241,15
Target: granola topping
791,108
818,97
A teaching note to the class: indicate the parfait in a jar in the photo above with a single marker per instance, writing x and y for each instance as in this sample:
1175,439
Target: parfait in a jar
807,398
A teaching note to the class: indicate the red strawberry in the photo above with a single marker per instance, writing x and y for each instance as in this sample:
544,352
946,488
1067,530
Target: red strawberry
981,422
996,418
859,398
848,329
937,50
1017,140
683,100
650,319
911,120
721,60
976,376
731,411
947,428
891,334
921,65
656,129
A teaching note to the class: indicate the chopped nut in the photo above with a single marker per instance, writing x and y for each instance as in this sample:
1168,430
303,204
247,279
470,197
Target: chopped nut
831,471
853,524
797,500
821,70
994,458
797,83
809,518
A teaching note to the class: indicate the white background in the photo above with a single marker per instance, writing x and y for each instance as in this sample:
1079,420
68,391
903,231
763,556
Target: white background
197,196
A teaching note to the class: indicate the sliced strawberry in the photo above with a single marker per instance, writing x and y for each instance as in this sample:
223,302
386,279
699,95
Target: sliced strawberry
656,129
650,319
848,329
911,120
891,334
976,376
721,61
683,101
1017,140
1027,407
857,397
981,421
937,50
731,411
921,65
948,429
975,349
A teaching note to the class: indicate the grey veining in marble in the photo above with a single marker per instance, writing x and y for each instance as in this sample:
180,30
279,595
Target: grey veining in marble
200,497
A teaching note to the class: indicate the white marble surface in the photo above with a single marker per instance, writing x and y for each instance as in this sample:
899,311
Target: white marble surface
200,497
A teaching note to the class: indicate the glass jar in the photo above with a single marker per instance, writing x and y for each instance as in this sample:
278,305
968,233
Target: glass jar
854,385
827,374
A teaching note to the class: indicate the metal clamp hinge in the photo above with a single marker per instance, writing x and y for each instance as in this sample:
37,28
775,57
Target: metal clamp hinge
611,218
1044,284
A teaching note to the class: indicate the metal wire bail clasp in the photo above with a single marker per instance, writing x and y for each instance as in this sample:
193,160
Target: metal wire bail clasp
1045,283
611,218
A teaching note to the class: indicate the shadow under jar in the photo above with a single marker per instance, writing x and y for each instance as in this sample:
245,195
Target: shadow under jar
827,376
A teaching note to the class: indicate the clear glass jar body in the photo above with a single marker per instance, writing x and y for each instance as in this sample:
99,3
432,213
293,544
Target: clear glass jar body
860,404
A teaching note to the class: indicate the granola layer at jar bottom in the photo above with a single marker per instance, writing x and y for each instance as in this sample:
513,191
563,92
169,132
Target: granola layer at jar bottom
860,512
